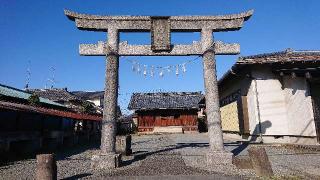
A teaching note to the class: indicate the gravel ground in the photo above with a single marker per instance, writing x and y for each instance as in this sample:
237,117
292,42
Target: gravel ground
171,157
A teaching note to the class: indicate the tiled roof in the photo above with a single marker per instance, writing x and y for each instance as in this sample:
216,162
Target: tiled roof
89,94
55,94
173,100
288,55
20,94
282,57
47,111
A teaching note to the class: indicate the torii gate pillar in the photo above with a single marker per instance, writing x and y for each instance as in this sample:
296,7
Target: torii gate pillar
108,157
160,28
217,153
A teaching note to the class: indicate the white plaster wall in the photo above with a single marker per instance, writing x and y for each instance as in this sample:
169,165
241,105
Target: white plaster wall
95,101
272,104
299,107
252,109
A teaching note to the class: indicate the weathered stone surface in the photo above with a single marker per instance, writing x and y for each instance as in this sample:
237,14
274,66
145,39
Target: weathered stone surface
143,23
260,161
46,167
211,92
219,158
105,161
123,145
125,49
160,33
242,162
108,132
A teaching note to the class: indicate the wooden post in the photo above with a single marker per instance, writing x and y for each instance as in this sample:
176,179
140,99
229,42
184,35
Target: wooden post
46,167
260,161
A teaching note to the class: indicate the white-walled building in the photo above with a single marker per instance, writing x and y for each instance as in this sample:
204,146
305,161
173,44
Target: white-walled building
273,96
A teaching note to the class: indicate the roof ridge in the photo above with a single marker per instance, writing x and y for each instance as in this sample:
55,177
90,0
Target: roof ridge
284,52
288,50
10,87
172,92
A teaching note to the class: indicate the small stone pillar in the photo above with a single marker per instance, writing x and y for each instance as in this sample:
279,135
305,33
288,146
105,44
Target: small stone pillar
216,155
123,145
46,167
108,157
260,161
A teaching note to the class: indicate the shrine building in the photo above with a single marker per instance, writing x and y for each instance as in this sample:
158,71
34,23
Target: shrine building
166,112
273,97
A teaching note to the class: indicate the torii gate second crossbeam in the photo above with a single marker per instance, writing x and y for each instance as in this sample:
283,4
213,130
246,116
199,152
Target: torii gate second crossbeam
160,28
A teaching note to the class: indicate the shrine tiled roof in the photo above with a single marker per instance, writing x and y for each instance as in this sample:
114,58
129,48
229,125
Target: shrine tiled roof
171,100
89,94
288,55
48,111
20,94
55,94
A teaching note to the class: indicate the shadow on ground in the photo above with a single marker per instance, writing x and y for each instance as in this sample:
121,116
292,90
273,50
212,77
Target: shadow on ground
61,153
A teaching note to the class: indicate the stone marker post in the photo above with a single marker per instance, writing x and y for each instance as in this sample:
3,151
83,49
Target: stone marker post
46,167
260,161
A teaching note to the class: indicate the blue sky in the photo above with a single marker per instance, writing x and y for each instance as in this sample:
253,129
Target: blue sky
38,32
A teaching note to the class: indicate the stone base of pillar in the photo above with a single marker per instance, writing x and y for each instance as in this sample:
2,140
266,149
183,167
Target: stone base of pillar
215,158
105,161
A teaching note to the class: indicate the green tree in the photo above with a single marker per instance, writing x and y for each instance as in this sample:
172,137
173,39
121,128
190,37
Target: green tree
34,100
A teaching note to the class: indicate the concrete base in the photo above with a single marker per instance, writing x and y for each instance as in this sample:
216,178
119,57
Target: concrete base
105,161
168,129
307,140
219,158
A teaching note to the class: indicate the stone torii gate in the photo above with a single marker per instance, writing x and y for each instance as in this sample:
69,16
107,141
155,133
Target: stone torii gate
160,28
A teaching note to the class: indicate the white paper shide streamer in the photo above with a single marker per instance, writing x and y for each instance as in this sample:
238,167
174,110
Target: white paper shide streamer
152,70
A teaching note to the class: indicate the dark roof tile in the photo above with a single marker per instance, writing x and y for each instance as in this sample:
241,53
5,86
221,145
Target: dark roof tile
288,55
173,100
55,94
89,94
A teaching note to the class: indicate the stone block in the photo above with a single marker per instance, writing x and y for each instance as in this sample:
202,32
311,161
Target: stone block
242,162
160,33
123,145
219,158
260,161
105,161
46,167
168,130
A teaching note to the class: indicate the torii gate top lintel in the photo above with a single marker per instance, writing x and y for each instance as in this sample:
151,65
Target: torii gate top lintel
143,23
161,28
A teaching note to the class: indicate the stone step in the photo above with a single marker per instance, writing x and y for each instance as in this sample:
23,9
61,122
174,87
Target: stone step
174,177
167,129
